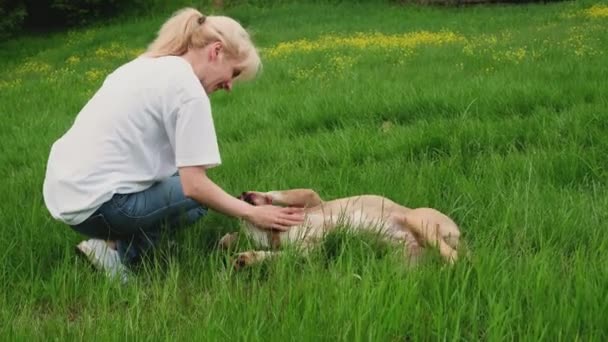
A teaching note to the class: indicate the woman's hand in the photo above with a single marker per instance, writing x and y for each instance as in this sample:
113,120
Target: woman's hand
277,218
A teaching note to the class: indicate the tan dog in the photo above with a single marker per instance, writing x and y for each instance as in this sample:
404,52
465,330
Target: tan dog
413,228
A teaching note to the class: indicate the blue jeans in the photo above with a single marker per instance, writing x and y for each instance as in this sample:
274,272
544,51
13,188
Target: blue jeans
135,221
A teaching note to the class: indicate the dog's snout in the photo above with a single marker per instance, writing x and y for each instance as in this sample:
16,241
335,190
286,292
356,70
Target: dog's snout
247,197
239,263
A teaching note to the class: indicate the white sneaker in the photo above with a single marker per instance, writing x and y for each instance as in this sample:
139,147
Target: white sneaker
104,258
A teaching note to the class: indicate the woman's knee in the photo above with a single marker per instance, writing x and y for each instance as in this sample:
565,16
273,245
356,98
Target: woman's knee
98,227
188,217
196,214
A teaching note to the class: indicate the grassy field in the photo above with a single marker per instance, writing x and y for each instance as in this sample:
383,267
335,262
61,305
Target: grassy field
495,115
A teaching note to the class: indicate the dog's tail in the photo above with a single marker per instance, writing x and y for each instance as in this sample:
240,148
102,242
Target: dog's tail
429,233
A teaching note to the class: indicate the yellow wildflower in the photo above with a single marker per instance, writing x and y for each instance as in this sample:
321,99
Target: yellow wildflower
515,55
94,75
578,42
10,84
33,67
341,63
114,50
73,60
597,11
482,44
59,75
406,41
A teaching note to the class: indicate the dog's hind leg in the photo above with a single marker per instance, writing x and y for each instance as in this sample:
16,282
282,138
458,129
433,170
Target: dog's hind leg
428,232
411,248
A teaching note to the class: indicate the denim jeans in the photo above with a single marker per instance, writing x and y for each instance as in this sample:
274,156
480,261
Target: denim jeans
135,221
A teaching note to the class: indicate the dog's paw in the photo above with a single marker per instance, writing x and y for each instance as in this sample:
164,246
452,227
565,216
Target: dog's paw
228,241
452,258
256,198
244,259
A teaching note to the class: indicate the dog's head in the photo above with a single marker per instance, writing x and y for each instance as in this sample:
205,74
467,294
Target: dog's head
254,198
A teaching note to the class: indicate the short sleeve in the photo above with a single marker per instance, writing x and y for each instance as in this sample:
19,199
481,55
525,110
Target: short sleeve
195,138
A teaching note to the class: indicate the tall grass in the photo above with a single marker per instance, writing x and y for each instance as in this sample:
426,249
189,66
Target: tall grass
502,126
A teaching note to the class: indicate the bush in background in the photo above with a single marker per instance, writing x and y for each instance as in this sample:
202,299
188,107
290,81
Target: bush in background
61,13
469,2
16,15
12,14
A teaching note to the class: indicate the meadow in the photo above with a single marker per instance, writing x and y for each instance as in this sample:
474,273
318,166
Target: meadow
496,115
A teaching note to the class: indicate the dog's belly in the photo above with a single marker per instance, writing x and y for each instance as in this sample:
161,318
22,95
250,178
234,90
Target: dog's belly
358,212
312,230
317,224
368,212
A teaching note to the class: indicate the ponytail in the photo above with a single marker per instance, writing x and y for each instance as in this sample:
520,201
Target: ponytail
176,33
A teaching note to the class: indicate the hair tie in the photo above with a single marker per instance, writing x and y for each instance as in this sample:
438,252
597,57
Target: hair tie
201,20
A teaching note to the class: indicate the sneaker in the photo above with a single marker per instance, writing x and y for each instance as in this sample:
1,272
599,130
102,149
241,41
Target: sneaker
104,258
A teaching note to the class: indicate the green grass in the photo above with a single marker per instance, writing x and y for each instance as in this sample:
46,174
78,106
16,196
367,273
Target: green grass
511,144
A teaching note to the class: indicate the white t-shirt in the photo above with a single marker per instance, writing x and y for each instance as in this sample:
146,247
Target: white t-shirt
149,117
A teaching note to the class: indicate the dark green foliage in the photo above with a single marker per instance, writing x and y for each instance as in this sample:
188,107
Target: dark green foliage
59,13
42,15
12,14
470,2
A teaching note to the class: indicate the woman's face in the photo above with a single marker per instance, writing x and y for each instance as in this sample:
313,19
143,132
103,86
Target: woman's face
220,70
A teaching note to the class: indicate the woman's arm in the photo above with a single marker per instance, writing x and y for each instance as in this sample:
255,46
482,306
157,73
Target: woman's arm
199,187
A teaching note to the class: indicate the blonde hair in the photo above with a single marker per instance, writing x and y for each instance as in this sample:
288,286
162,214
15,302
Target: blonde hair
190,28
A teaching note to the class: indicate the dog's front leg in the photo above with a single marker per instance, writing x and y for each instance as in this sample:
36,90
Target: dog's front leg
303,198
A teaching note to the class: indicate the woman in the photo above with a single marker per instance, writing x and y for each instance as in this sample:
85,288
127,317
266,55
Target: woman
135,159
